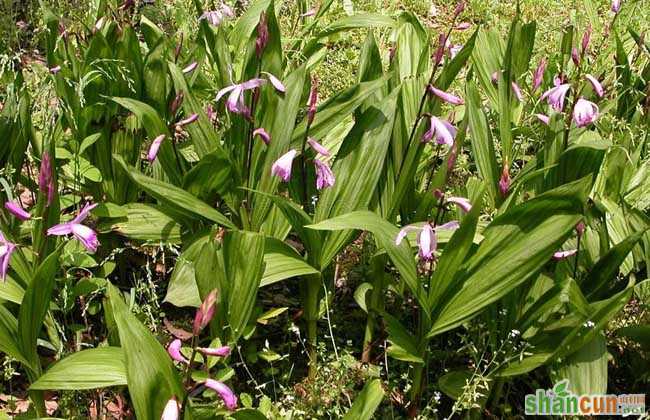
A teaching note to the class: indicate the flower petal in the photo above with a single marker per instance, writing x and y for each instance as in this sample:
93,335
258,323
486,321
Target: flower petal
229,398
319,148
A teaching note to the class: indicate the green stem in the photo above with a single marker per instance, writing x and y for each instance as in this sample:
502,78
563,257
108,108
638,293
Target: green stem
311,311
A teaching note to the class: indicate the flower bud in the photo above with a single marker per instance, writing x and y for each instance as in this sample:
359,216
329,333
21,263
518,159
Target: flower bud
205,313
313,98
262,35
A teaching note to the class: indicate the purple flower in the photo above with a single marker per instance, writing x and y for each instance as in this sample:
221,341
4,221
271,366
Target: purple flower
580,228
319,148
538,76
517,90
454,50
504,181
442,130
205,312
495,77
174,351
561,255
459,8
447,97
313,98
440,51
46,178
6,249
426,239
191,67
543,118
461,202
282,166
595,84
264,135
556,96
55,69
309,13
585,112
229,398
172,410
17,210
616,6
324,175
463,25
262,35
84,234
155,146
223,351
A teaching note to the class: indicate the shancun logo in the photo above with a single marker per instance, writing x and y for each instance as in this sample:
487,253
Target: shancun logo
561,401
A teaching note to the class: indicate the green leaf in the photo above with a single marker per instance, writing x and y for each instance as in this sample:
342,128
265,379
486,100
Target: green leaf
516,245
404,346
145,222
88,369
10,290
453,383
151,376
586,369
35,304
282,262
366,402
174,197
9,340
243,256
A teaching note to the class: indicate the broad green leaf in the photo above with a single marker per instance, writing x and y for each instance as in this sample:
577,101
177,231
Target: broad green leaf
34,306
454,382
282,262
174,197
516,245
366,402
151,376
100,367
586,369
9,340
10,290
145,222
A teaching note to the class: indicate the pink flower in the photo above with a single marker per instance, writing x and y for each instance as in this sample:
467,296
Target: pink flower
447,97
442,130
538,76
580,229
616,6
313,98
324,175
556,96
215,17
174,350
495,77
235,102
263,134
15,209
595,84
84,234
454,50
426,239
463,25
6,249
205,312
517,90
46,178
191,67
543,118
504,181
440,51
55,69
575,56
461,202
585,112
586,38
282,166
155,146
561,255
172,410
223,351
319,148
460,6
229,398
188,120
309,13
